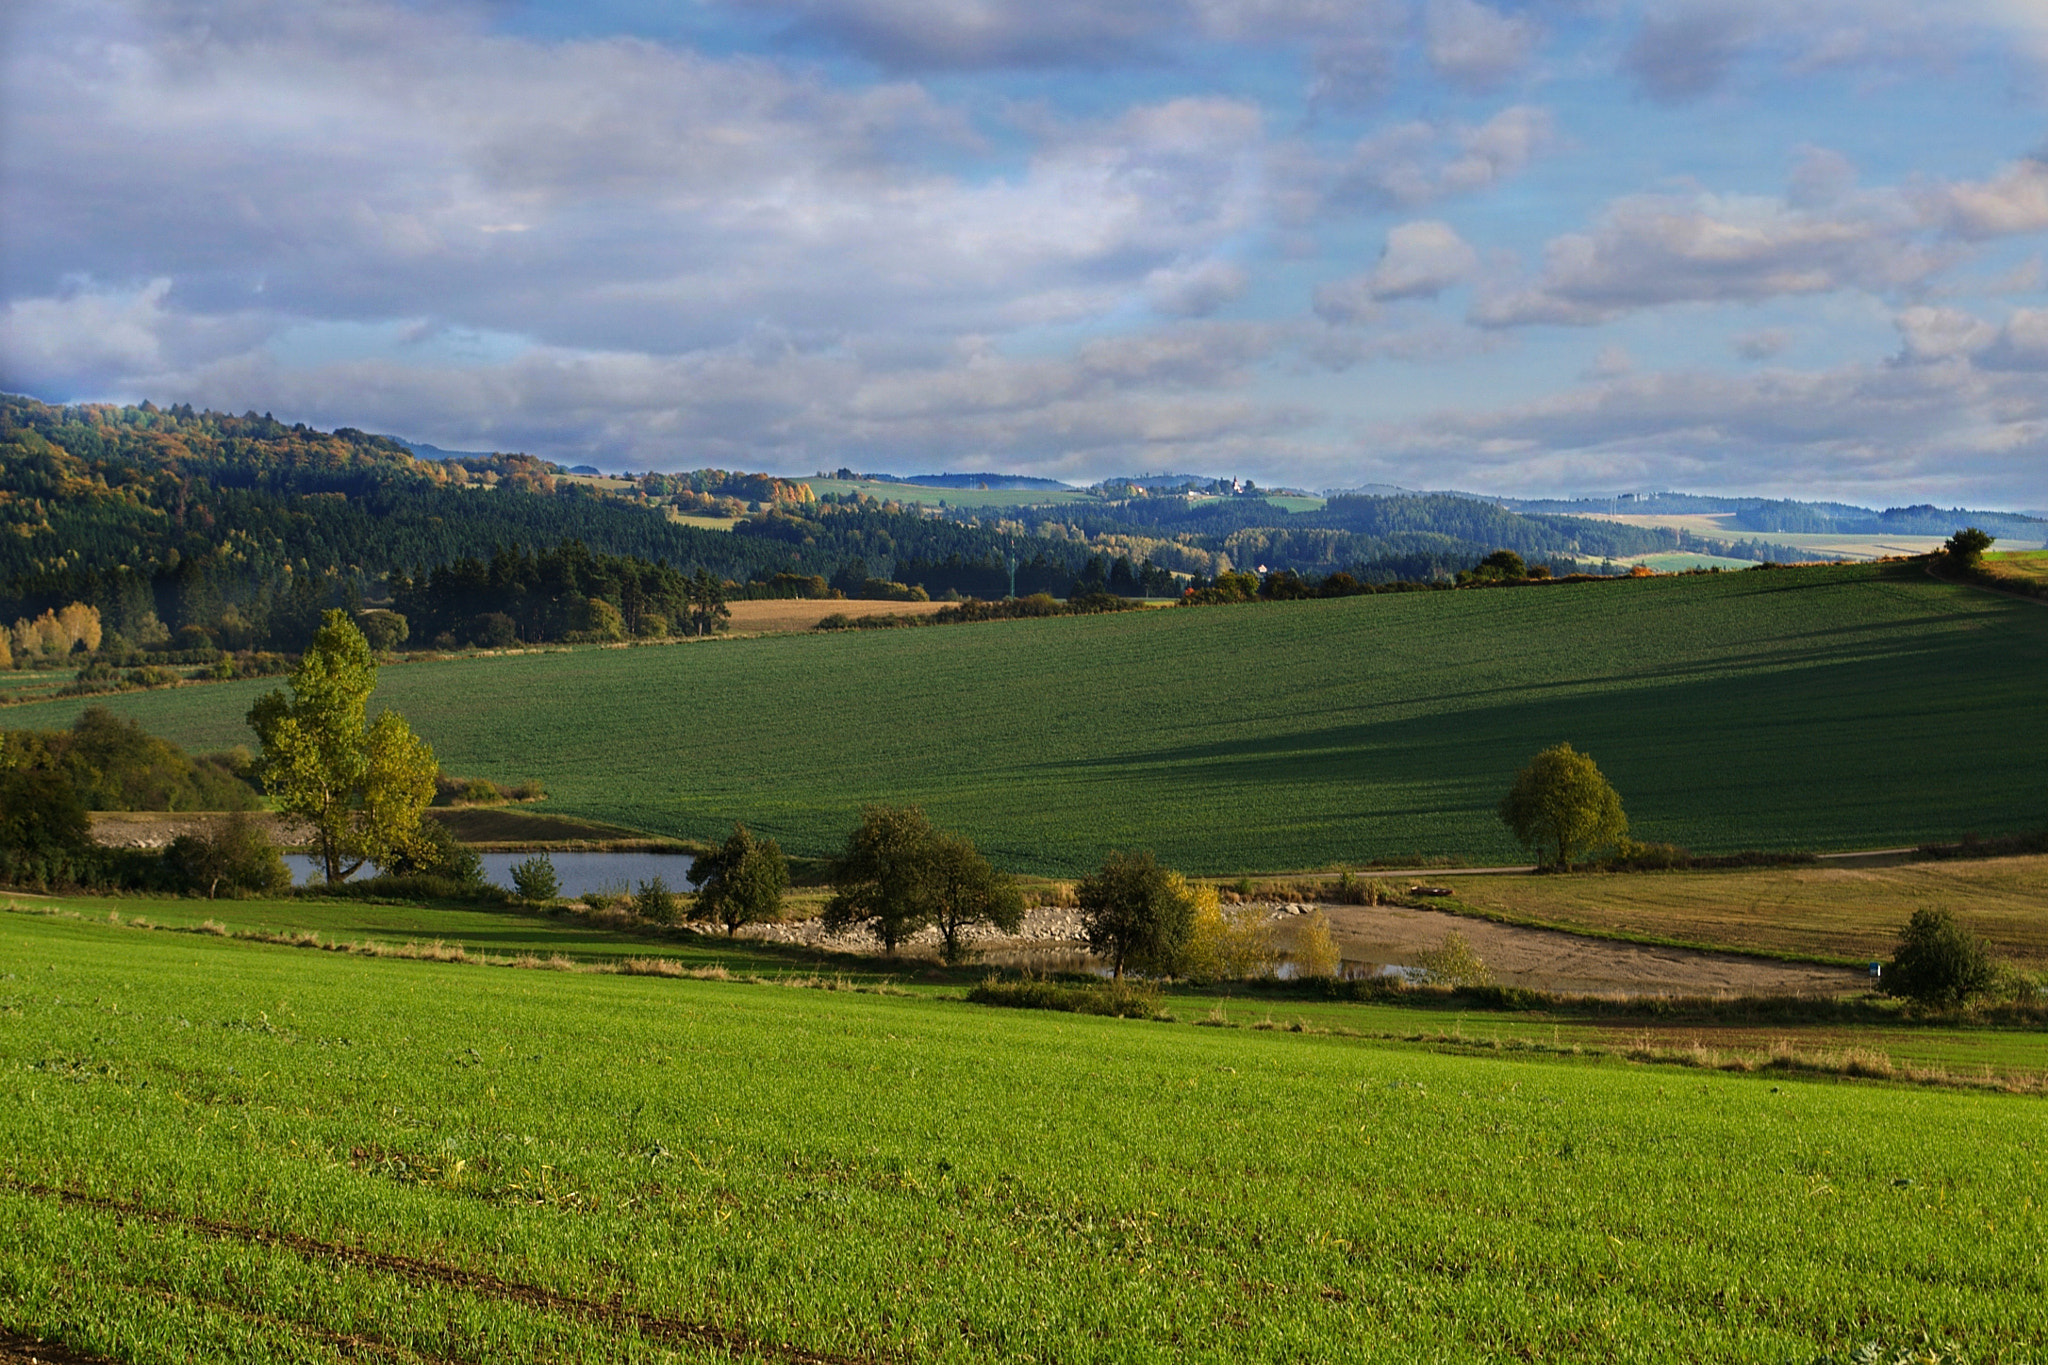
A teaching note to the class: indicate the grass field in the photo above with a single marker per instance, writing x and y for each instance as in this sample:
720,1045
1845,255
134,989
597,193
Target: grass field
1862,706
1828,912
229,1151
2027,566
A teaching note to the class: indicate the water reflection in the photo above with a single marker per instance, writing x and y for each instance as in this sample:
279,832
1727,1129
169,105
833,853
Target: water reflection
579,873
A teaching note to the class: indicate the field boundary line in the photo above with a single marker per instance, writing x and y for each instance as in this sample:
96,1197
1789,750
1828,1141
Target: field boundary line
654,1326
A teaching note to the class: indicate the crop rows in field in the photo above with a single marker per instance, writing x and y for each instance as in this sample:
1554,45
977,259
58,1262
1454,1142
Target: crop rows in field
268,1154
1831,707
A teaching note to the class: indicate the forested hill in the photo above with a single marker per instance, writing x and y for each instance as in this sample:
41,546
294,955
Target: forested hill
247,527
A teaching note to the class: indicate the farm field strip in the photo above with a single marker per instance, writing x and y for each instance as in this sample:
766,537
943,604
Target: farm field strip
2011,1057
1730,710
1831,913
904,1178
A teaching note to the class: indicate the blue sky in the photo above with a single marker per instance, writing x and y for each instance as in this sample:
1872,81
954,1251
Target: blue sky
1534,248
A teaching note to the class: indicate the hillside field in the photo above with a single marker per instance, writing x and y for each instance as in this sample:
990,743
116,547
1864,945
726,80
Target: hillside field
1843,707
233,1151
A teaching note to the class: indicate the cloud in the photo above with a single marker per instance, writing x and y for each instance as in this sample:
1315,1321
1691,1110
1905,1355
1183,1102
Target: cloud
1766,344
2013,202
1416,164
1868,433
1934,334
2021,344
1196,290
1473,45
1649,250
1684,52
1420,260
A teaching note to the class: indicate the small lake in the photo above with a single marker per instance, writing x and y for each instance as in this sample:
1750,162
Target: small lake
579,873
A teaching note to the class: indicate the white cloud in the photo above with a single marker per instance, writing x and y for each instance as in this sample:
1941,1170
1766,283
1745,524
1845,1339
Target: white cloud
1421,260
1648,251
2012,202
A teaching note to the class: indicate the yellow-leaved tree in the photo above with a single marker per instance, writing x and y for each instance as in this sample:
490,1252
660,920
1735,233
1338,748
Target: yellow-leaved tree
1233,943
361,784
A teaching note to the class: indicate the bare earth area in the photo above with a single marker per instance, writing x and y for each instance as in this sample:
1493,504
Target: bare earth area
1380,936
774,617
1547,960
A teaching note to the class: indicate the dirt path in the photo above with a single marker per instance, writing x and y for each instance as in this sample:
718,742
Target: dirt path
1377,936
1552,960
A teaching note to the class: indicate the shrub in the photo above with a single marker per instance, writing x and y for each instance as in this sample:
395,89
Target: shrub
534,880
1353,890
45,834
1226,945
1316,954
435,852
1453,963
1967,546
1938,961
1117,999
236,856
655,903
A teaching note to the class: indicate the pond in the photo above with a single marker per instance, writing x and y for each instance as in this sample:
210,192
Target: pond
579,873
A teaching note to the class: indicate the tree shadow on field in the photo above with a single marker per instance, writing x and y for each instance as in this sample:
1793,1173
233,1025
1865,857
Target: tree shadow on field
1895,747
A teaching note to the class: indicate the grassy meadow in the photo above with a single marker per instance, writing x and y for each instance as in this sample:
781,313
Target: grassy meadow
1839,913
237,1151
1859,706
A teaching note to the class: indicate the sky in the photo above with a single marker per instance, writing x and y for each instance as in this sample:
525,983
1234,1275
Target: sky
1548,248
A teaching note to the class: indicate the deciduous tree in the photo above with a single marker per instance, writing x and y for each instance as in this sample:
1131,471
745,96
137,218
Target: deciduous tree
1560,803
1134,914
884,878
361,784
967,890
742,883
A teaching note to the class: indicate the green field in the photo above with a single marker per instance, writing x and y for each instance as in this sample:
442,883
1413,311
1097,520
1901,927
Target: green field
228,1151
1859,706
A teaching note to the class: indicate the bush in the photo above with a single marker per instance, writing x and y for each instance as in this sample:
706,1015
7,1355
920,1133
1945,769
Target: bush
45,834
1316,954
1351,890
655,903
1453,963
1117,999
235,857
534,880
1938,961
1225,945
435,852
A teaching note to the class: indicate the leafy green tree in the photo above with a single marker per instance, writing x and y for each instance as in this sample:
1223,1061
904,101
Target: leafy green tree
1938,960
45,833
967,890
534,880
1561,802
884,878
742,883
1133,912
708,612
362,786
1967,546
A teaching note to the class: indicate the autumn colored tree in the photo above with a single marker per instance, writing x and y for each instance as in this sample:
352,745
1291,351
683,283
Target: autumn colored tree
361,784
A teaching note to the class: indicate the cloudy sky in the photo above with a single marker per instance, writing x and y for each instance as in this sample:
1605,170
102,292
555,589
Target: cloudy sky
1549,247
